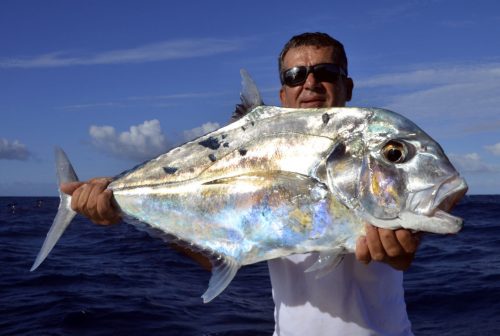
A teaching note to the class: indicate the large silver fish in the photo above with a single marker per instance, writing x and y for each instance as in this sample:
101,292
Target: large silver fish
282,181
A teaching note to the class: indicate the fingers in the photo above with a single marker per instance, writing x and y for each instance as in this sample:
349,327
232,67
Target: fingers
79,199
362,251
107,209
390,243
92,211
94,201
70,187
408,241
394,247
375,246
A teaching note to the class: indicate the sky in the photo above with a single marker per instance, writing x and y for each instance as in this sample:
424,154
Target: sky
114,83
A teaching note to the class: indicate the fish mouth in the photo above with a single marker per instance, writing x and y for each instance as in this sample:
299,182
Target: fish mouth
435,203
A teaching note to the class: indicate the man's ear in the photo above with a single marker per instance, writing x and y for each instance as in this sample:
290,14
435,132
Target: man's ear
349,86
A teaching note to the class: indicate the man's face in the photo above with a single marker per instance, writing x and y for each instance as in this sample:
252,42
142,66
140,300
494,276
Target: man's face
313,93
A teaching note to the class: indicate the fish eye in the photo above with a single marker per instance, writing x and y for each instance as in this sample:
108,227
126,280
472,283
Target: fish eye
395,151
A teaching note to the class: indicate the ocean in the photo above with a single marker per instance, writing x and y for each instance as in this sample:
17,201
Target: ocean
116,280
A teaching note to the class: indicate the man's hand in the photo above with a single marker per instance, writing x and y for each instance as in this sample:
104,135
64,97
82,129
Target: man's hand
93,200
396,248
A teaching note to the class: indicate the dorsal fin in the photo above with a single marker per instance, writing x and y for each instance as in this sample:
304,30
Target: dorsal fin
250,96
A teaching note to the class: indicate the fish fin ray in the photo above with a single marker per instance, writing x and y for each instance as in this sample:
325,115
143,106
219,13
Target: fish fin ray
326,262
65,173
250,96
223,272
223,268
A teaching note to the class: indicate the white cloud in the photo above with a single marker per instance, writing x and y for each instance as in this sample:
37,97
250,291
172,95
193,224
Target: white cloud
471,163
494,149
199,131
435,75
161,51
462,96
157,101
13,150
141,142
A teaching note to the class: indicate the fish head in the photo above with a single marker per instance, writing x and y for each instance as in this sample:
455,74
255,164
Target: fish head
395,175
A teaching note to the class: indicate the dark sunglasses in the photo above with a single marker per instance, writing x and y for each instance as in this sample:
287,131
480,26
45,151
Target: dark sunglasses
325,72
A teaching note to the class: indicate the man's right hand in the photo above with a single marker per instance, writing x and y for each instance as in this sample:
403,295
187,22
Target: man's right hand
93,200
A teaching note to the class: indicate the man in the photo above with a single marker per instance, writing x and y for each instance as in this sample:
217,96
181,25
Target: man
357,297
353,299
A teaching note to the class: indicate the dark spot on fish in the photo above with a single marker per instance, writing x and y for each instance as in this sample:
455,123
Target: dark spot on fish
242,151
243,128
211,143
212,157
252,122
136,167
325,118
170,170
224,136
226,144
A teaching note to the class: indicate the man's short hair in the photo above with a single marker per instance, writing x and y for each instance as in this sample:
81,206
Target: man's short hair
317,40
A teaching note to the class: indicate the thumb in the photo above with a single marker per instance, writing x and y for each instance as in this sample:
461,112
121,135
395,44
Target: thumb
70,187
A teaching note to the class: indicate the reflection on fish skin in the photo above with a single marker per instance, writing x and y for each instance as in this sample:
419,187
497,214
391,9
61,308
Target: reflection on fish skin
292,181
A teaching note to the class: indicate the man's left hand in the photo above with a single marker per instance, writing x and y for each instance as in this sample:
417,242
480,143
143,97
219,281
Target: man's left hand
396,248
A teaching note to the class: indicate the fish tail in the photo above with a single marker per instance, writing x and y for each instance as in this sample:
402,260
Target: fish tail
65,173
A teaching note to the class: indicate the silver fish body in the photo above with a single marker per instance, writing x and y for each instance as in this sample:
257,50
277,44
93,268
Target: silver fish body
283,181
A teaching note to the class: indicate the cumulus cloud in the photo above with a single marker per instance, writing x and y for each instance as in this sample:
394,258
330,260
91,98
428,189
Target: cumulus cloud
494,149
141,142
472,163
161,51
199,131
13,150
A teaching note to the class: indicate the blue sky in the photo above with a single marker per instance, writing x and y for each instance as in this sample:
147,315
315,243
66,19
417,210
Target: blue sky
116,82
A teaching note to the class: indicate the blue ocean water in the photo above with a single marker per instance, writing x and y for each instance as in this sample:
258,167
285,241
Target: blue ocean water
118,280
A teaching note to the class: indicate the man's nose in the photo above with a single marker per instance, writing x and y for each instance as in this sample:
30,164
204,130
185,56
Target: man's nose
311,82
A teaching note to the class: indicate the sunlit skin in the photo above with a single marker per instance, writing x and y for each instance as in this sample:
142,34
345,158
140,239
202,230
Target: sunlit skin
396,248
313,93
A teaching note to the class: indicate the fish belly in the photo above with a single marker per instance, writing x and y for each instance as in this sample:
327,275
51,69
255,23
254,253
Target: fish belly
251,217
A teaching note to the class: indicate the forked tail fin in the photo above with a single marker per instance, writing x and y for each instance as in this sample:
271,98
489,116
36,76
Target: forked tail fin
65,173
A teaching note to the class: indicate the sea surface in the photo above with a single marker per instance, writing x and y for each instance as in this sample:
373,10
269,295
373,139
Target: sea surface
117,280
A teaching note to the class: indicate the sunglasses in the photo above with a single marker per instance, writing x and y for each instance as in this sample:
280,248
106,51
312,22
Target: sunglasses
325,72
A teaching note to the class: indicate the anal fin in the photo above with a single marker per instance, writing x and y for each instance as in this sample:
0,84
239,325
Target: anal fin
326,262
223,272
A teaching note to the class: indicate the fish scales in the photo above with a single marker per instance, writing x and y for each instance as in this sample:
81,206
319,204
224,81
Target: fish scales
281,181
249,218
191,159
